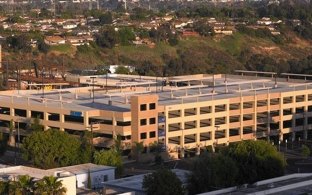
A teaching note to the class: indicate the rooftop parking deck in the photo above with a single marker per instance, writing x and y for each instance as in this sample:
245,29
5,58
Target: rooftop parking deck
181,89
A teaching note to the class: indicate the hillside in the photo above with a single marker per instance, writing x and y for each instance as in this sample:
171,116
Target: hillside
192,54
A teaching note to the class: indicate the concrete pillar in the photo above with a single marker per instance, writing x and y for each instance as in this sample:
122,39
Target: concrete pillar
227,122
255,115
241,118
62,120
182,139
182,152
293,136
197,151
28,113
269,116
281,125
45,119
213,123
86,119
182,129
293,110
12,112
305,118
114,126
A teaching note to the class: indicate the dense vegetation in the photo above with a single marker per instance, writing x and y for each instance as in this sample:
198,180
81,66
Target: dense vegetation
163,181
247,48
240,163
53,148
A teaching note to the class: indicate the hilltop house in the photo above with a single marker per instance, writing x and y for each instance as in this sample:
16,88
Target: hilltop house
54,40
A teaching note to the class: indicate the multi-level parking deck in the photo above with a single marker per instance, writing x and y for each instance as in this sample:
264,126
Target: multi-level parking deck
184,111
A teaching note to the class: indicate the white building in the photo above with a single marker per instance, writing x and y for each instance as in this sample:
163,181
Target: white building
72,177
69,26
98,173
12,173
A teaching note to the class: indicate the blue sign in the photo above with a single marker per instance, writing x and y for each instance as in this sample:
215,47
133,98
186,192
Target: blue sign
75,113
161,133
161,119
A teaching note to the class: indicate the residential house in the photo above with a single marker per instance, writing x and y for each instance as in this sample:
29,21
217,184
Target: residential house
54,40
79,40
264,21
69,25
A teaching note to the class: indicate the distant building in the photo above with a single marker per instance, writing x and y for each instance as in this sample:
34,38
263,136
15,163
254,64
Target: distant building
298,183
79,40
54,40
98,173
264,21
72,177
11,173
69,26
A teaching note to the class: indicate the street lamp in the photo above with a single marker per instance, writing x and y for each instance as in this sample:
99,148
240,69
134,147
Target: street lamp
92,88
286,144
279,145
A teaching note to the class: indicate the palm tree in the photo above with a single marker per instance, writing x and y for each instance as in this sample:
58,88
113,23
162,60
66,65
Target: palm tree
24,185
50,185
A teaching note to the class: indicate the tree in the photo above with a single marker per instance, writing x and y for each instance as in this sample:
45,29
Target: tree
86,148
50,185
118,143
256,160
212,172
107,37
138,149
203,28
110,158
11,134
122,70
106,18
3,144
36,125
51,148
19,42
126,35
164,182
305,151
156,149
173,40
42,46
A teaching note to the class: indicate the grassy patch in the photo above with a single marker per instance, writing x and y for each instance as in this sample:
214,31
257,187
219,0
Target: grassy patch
64,49
144,53
232,44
